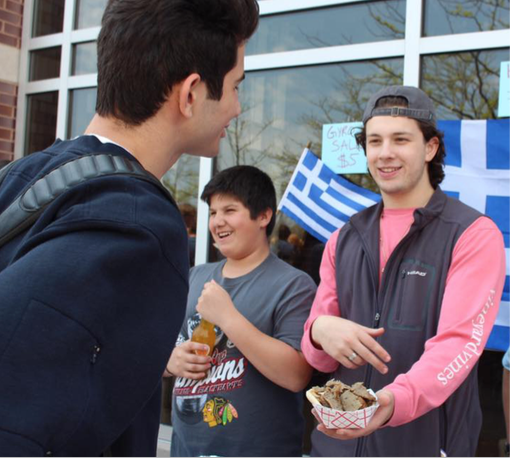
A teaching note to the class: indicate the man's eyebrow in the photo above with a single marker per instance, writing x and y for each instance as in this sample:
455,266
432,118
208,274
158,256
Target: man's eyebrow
404,132
375,134
239,80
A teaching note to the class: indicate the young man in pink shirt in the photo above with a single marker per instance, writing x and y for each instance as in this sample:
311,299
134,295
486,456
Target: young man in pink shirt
409,291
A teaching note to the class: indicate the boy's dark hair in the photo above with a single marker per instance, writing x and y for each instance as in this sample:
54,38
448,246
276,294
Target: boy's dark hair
429,130
250,185
145,47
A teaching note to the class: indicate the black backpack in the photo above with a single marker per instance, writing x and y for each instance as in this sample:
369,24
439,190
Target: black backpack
28,206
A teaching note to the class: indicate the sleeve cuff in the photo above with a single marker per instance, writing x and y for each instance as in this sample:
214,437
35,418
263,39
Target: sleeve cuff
400,411
318,359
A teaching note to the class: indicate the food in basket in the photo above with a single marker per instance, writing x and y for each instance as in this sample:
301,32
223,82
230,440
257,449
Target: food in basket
339,396
342,406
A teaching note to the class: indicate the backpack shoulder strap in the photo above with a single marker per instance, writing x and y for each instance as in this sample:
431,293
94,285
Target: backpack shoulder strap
27,207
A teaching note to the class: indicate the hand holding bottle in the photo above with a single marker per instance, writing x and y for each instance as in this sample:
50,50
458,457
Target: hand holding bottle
184,362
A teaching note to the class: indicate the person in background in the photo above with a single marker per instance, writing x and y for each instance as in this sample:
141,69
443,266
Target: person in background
297,245
94,293
246,399
409,292
189,213
282,248
311,255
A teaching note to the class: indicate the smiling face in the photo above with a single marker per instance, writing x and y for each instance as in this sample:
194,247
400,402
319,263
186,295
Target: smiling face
397,156
235,233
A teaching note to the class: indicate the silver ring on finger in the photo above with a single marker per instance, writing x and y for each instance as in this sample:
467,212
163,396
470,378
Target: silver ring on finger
353,356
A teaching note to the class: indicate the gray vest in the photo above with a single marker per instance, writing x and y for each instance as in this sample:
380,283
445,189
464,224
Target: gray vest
407,305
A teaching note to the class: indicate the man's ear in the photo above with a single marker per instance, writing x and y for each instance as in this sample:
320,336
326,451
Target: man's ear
432,147
188,94
265,217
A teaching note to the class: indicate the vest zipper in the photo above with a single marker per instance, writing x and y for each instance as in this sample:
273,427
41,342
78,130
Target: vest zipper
377,317
378,311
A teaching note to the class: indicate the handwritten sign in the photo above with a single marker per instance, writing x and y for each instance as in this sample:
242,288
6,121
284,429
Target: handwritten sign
504,90
339,149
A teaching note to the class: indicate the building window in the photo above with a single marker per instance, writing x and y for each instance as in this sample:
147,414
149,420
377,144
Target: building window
45,63
89,13
340,25
84,58
182,179
464,85
82,106
443,17
41,121
48,17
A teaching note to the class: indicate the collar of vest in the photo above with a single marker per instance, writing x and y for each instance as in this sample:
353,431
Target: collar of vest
368,219
433,208
366,222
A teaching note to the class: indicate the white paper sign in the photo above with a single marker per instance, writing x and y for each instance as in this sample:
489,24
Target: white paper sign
339,149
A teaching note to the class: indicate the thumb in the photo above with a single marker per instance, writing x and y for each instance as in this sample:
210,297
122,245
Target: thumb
384,398
386,401
197,346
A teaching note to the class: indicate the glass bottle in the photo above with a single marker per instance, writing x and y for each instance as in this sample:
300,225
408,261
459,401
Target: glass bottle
204,333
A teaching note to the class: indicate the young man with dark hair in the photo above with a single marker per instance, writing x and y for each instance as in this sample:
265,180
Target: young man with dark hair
409,291
245,399
93,294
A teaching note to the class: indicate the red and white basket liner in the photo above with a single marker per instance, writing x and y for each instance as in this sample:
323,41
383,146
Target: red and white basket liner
339,419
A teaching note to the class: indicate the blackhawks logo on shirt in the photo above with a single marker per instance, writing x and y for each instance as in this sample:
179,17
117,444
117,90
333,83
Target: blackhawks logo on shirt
218,411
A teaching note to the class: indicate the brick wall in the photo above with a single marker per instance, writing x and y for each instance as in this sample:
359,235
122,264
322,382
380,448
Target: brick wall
11,17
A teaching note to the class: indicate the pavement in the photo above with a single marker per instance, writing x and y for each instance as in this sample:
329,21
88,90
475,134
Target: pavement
165,434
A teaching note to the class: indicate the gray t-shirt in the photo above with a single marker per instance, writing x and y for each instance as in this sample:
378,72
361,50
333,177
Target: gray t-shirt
235,410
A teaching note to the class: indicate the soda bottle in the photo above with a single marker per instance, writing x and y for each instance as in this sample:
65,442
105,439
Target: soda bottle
204,333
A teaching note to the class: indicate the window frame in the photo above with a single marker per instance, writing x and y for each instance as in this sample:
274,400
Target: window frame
411,49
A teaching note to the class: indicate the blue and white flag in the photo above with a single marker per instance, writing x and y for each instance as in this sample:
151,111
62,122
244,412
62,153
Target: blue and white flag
478,173
319,200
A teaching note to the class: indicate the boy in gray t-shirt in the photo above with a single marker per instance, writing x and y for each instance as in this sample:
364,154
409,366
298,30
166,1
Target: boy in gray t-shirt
245,399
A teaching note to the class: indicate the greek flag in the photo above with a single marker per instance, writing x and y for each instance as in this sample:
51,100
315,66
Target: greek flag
319,200
478,173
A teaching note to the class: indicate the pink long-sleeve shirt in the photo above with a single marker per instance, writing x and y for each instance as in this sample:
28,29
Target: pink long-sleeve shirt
470,304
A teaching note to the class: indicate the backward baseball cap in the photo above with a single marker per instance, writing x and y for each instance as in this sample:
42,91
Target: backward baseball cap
420,107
